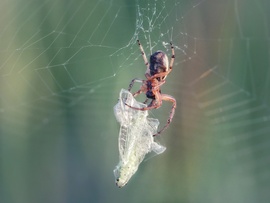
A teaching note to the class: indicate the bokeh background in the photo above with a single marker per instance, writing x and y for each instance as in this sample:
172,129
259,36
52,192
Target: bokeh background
63,63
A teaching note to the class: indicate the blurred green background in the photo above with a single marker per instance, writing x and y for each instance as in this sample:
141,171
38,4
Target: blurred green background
63,63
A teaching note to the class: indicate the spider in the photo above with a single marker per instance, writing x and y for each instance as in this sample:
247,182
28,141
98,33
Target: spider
156,73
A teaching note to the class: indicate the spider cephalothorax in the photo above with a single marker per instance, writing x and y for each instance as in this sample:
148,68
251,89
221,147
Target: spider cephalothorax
156,72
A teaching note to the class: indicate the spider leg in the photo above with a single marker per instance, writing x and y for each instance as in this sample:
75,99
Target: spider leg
144,108
159,84
172,57
145,101
158,75
166,97
151,105
143,54
137,93
132,83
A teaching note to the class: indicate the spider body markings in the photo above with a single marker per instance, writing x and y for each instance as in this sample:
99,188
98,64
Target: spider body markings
155,74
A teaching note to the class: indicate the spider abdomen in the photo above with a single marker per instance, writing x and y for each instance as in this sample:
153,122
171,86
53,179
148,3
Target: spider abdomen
158,63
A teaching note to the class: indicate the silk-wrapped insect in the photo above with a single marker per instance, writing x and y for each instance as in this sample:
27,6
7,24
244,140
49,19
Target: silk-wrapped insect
135,137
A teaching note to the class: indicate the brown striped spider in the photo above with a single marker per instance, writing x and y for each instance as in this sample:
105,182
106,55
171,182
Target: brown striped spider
156,73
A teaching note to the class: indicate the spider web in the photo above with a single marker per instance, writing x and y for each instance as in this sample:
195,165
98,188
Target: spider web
63,64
